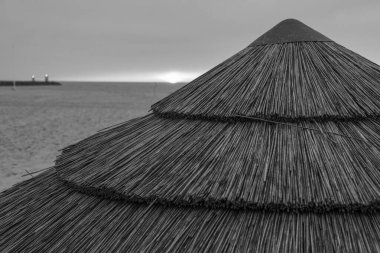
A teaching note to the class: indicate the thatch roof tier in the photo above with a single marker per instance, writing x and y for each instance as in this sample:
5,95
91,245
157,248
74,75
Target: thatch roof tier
49,217
288,81
307,166
288,31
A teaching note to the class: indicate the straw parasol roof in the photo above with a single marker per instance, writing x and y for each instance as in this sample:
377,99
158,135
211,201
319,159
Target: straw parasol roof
276,149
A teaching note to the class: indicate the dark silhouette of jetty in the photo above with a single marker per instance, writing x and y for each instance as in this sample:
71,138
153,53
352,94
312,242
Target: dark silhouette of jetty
28,83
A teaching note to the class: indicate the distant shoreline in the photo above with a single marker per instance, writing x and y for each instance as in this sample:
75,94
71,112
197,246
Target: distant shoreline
43,83
28,83
120,82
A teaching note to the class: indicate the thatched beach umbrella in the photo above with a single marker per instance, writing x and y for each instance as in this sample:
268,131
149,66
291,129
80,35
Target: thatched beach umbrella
277,149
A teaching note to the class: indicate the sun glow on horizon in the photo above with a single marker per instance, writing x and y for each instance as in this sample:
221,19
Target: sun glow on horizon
176,77
165,76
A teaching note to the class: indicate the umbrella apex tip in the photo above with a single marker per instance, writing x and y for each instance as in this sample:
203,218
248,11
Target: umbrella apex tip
288,31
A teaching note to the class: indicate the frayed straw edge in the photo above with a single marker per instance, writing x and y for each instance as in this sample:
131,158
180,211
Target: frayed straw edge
274,118
317,208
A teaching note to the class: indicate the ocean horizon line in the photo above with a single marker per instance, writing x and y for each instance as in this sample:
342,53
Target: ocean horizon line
98,82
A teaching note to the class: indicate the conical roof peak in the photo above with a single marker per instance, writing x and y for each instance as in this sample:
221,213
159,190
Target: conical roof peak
273,78
287,31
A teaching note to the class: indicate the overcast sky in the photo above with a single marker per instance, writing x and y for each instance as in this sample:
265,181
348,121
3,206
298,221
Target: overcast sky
153,40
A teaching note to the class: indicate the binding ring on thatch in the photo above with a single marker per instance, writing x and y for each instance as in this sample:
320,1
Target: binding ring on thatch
275,118
315,208
320,130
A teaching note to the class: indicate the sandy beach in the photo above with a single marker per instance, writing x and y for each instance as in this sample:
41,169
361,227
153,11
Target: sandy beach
36,122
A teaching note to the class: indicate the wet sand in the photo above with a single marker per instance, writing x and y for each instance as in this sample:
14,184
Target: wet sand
36,122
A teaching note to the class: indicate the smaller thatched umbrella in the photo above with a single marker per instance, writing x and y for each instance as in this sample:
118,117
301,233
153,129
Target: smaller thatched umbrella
277,149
